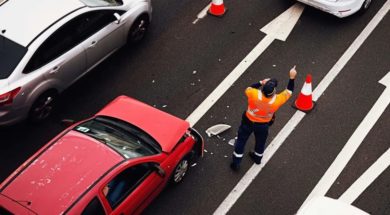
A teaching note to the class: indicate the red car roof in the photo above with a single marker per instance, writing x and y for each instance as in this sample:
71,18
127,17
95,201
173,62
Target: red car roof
53,181
163,127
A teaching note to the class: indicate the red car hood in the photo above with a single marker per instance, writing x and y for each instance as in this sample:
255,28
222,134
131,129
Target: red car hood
165,128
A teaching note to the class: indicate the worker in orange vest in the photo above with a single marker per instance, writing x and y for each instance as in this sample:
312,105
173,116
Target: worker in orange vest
263,102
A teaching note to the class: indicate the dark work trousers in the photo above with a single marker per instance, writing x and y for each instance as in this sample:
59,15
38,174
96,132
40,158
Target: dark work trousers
244,131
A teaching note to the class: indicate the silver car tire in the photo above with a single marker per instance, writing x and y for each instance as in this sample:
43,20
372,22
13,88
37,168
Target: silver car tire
42,107
366,4
138,30
180,170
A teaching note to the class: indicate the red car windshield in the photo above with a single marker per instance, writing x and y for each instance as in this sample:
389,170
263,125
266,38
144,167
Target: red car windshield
128,140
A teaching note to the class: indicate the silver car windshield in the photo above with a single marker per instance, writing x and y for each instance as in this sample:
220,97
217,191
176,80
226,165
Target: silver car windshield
10,55
128,140
102,3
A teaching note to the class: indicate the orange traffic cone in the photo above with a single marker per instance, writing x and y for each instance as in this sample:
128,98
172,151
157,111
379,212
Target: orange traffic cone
304,101
217,8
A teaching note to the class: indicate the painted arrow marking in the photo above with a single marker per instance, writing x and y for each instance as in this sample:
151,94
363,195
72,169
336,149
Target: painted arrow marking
350,148
293,14
251,174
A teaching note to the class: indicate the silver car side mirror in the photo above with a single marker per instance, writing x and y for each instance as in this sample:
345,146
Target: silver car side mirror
117,18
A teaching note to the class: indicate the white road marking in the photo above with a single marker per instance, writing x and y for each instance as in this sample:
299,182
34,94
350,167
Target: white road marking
280,27
251,174
350,51
350,147
366,179
229,80
294,15
202,14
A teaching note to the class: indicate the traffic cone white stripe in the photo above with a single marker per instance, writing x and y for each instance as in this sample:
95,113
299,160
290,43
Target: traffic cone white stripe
217,2
306,89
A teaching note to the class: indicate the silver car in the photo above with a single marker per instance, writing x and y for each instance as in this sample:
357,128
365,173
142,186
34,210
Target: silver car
47,45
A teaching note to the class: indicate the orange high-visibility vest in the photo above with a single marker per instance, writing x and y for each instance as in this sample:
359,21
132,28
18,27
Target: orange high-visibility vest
260,108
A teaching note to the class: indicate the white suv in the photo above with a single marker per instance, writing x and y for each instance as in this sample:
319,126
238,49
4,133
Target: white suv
47,45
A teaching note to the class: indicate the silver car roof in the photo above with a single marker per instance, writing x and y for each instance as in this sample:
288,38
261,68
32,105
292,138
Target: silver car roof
23,20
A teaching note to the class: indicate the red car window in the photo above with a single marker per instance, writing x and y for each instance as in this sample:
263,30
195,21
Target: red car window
125,182
94,207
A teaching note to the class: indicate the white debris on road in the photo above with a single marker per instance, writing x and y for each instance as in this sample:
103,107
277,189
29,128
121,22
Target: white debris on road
232,141
217,129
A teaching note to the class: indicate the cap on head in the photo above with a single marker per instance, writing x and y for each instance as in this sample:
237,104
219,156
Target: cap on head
269,88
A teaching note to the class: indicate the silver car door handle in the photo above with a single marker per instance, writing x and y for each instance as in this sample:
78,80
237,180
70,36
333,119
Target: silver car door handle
93,44
55,70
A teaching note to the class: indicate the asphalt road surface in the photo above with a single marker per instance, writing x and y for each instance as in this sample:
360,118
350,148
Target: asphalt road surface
180,63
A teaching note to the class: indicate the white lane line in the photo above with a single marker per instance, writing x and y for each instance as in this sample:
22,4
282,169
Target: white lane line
354,142
366,179
285,21
350,147
229,80
250,175
350,51
202,14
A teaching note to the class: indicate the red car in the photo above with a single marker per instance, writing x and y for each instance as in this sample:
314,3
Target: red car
113,163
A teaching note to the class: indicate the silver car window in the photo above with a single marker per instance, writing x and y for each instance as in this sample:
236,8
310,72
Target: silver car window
10,55
70,35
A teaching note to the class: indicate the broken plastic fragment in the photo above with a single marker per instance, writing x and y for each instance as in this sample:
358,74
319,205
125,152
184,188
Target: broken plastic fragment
194,164
217,129
232,141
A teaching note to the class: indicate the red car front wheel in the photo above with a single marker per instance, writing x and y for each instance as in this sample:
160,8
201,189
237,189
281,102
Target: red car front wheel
180,170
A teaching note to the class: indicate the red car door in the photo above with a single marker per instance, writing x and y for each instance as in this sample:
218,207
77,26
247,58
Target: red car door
133,188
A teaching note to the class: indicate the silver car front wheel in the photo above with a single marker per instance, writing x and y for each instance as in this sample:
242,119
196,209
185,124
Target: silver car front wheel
138,30
366,5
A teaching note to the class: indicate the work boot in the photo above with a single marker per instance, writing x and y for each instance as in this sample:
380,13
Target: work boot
234,166
255,158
